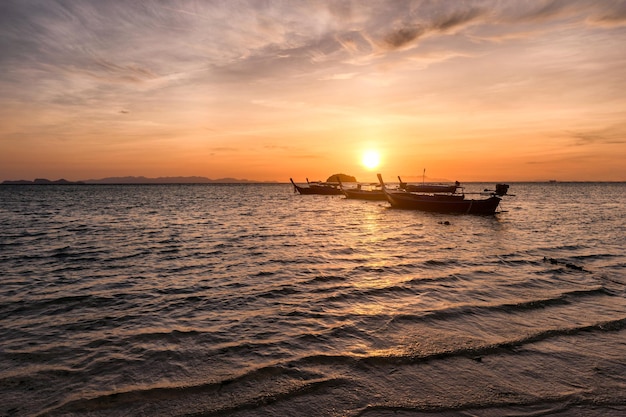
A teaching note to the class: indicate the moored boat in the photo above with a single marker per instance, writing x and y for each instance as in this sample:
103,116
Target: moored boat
373,192
450,202
429,188
320,188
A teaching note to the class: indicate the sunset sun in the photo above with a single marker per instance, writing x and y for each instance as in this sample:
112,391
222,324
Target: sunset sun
371,159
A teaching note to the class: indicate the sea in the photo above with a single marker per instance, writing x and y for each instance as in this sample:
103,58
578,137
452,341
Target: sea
250,300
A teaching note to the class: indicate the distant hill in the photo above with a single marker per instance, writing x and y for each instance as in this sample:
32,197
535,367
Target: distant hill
41,181
139,180
343,177
167,180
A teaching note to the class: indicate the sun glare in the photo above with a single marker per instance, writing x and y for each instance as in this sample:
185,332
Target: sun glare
371,159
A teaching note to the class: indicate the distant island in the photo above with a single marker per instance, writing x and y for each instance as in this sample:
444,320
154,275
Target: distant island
136,180
342,177
41,181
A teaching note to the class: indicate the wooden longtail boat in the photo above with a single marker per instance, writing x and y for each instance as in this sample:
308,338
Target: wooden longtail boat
373,194
444,202
320,188
428,188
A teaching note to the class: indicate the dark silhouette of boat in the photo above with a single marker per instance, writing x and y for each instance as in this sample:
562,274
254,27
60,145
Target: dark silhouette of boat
317,187
372,193
429,188
445,202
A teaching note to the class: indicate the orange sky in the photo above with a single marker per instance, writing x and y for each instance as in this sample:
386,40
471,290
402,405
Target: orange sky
470,91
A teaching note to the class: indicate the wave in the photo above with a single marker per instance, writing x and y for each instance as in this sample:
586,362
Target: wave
58,305
217,397
439,263
325,279
506,307
474,352
309,375
566,405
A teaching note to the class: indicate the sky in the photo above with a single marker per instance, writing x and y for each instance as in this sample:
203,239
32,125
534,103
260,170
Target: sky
267,90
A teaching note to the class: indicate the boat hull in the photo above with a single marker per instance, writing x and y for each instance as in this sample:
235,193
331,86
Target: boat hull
314,189
430,188
318,190
443,203
376,195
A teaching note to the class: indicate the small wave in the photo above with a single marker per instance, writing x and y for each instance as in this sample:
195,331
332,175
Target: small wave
361,294
569,265
58,305
278,292
124,257
462,310
169,336
564,298
306,314
253,389
264,273
436,263
44,373
565,248
504,346
423,280
343,251
374,269
565,405
325,279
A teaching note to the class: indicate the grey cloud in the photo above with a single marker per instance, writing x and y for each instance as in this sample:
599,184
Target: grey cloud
444,21
610,135
128,73
354,42
612,14
133,42
545,10
403,36
541,11
457,18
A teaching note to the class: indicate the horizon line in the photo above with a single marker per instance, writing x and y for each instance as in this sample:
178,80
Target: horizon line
194,179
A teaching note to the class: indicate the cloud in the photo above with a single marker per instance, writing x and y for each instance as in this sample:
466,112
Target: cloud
610,135
445,21
562,11
354,42
133,73
612,14
454,19
119,42
403,36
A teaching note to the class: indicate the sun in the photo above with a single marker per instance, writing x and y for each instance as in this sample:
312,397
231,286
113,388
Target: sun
371,159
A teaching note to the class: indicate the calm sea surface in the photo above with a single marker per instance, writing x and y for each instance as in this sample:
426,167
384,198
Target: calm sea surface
249,300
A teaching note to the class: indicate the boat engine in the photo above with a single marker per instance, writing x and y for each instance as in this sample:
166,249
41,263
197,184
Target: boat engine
501,189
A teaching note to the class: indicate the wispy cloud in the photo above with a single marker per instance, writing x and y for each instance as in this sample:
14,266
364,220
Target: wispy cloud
611,135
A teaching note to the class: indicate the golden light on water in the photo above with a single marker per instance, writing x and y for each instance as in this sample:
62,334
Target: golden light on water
371,159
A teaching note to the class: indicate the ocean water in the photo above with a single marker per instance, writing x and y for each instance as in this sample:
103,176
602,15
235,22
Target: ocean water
249,300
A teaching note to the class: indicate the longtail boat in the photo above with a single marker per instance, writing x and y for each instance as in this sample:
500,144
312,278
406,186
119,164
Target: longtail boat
373,193
450,202
428,188
317,187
